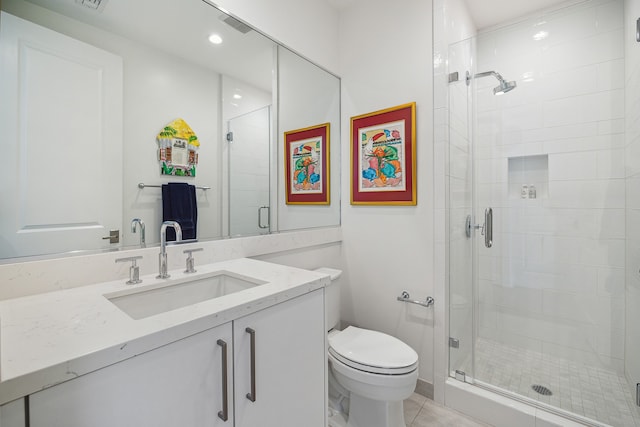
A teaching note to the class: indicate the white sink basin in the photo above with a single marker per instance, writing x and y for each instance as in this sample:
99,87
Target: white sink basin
152,300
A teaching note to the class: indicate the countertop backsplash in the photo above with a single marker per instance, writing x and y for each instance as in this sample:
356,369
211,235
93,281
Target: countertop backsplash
34,277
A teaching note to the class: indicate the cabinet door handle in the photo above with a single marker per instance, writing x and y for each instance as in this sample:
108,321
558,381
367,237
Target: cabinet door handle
252,395
224,414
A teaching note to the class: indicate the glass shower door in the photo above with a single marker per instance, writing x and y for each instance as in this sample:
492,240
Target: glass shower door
540,315
460,192
249,147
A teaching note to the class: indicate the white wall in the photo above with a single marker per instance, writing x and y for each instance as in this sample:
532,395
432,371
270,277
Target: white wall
288,22
309,27
307,96
152,82
632,155
317,248
554,279
253,98
385,60
148,78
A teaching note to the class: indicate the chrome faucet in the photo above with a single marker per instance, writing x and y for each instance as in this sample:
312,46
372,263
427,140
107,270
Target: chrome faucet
163,246
134,221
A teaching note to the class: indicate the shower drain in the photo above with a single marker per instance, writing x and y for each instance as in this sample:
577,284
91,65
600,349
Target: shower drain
541,390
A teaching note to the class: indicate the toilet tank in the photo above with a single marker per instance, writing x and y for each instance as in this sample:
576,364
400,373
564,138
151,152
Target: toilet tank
332,297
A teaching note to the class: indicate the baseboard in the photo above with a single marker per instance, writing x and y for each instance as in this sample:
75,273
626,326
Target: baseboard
424,388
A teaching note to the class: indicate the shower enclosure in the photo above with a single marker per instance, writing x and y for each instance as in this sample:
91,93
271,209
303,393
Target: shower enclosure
542,212
249,142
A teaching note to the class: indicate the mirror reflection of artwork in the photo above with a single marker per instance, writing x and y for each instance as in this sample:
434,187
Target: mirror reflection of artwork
307,165
177,149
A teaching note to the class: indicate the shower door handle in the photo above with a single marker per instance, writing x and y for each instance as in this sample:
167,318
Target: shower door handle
487,229
260,209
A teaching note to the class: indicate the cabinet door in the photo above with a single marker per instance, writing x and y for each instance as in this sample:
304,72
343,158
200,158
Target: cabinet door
12,414
290,365
179,384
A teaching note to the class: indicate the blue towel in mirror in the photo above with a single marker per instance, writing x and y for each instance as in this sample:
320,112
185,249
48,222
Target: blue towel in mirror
179,204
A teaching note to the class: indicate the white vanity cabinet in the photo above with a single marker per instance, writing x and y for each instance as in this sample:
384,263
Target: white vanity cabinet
181,384
12,414
178,384
290,365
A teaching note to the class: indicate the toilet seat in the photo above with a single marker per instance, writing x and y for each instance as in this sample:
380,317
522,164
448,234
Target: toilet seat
372,351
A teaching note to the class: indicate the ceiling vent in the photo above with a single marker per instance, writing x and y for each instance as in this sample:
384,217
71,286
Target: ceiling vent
234,23
97,5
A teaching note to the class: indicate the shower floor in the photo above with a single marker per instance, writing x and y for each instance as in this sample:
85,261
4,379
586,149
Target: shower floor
595,393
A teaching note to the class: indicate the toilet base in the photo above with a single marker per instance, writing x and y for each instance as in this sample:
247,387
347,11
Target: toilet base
336,418
364,412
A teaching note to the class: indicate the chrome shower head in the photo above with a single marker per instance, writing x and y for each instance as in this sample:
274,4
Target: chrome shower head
504,87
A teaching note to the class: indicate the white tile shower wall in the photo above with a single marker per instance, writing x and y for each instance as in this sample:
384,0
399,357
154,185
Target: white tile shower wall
249,171
632,169
550,282
251,152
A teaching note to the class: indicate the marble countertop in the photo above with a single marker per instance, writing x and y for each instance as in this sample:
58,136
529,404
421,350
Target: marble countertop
53,337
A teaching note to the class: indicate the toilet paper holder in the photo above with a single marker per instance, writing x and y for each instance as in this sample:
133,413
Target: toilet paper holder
405,297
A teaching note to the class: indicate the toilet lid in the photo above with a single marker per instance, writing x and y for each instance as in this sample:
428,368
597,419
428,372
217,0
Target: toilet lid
372,351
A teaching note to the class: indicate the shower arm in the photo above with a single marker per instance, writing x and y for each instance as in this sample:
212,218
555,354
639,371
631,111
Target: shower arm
485,74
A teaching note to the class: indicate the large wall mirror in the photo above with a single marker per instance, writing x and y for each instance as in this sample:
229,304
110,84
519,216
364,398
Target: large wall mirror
87,85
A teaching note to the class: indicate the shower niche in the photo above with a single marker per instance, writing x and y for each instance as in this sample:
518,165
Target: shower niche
528,177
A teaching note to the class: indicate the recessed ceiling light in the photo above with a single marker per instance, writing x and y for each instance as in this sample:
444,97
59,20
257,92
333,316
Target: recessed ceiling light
540,35
237,96
215,39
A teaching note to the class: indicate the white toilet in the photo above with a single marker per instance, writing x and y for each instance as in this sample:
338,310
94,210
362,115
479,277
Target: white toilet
370,373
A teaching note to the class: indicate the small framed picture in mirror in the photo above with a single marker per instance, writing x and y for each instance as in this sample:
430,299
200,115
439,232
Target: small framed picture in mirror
307,165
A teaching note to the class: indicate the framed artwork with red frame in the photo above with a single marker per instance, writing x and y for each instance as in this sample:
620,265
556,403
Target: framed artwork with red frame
306,165
383,157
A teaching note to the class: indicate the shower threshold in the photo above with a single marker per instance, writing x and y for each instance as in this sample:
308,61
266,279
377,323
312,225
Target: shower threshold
594,395
541,405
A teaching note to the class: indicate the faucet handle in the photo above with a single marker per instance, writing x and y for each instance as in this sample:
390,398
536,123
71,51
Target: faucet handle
134,269
191,260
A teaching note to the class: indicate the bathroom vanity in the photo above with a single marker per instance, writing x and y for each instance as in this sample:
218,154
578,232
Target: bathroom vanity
169,352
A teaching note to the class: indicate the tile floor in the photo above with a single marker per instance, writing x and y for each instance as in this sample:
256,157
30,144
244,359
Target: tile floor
420,411
588,391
